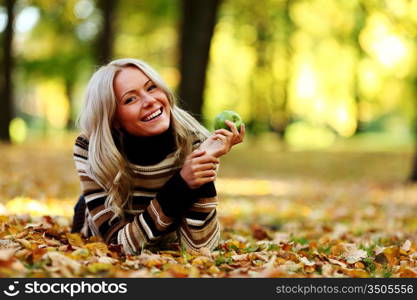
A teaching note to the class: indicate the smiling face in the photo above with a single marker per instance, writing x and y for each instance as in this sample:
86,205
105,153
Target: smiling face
143,109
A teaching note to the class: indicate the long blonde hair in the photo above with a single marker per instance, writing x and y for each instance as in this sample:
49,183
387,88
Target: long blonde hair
107,165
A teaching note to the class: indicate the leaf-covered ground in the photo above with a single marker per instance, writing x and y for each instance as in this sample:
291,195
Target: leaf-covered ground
310,215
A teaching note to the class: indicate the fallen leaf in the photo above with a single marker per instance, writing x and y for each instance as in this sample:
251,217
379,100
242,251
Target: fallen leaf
67,267
405,248
74,239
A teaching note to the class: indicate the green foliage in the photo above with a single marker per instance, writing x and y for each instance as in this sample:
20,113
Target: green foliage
223,260
370,265
300,240
252,248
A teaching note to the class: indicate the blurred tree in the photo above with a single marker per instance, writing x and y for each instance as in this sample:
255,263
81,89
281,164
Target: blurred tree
280,116
267,29
67,48
198,21
148,30
105,38
6,103
261,84
413,175
360,14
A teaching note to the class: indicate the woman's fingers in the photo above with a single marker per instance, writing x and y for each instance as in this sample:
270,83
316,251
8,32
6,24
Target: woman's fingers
219,136
242,130
232,127
199,168
234,136
206,159
207,166
205,180
197,153
203,174
224,132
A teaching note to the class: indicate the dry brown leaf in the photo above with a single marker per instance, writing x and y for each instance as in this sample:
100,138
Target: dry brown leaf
356,273
259,233
306,262
66,266
4,244
336,262
406,247
354,255
408,273
7,254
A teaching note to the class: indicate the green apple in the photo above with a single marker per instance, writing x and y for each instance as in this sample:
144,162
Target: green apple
227,115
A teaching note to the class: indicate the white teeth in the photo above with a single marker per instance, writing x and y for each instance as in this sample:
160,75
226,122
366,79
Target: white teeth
155,114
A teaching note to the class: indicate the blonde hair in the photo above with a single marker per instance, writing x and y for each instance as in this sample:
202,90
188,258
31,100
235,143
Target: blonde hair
107,165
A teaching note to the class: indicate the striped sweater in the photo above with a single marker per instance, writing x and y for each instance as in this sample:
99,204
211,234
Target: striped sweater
163,207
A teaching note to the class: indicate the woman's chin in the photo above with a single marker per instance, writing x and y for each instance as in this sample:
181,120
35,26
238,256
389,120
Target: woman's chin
158,128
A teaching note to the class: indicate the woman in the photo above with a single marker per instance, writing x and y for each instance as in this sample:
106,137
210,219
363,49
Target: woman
147,167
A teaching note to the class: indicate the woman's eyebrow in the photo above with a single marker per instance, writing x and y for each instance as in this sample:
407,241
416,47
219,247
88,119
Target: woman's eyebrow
134,90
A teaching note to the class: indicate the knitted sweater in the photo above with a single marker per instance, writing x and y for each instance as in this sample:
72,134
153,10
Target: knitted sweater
163,204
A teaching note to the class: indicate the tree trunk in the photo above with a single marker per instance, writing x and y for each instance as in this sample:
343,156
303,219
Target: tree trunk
284,119
198,21
6,107
105,39
69,87
360,19
413,174
260,87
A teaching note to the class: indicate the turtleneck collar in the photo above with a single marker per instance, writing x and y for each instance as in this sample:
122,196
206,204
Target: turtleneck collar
147,150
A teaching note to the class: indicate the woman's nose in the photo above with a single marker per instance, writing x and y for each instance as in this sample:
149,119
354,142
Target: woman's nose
148,99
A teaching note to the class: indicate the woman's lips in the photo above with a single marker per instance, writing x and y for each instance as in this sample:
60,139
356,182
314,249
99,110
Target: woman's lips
157,112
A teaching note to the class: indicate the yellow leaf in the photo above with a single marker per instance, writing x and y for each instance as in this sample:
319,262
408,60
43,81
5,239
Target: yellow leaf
25,243
80,254
75,239
392,253
357,273
337,250
178,271
213,270
98,248
202,261
99,267
194,272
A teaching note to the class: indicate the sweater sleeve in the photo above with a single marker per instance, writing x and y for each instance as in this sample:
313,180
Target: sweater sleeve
146,227
199,226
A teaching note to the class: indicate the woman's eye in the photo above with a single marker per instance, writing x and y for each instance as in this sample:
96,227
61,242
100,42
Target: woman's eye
152,87
128,100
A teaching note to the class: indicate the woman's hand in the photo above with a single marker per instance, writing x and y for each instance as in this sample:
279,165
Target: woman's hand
199,168
222,140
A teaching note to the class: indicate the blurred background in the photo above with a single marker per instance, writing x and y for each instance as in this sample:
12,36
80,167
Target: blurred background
327,89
